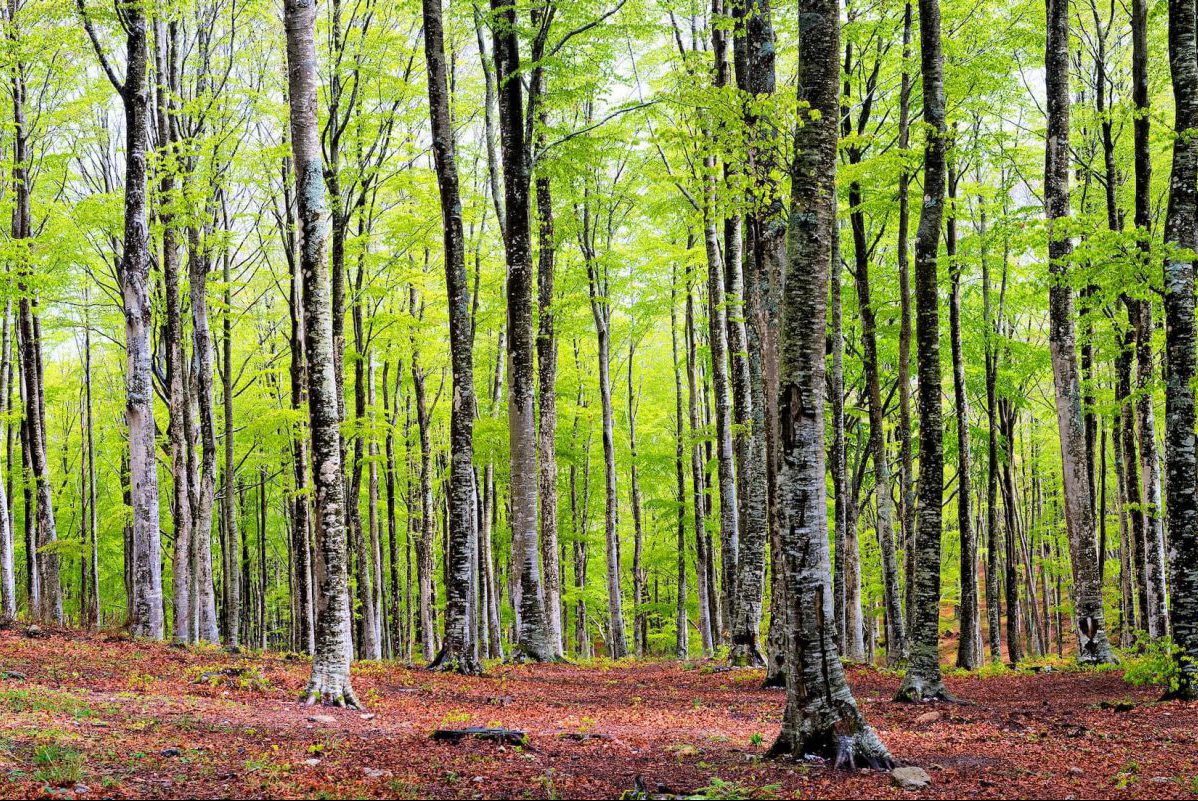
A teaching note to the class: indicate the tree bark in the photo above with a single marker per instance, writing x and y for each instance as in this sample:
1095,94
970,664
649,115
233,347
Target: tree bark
923,681
460,649
1087,591
330,680
821,716
1181,462
533,640
969,645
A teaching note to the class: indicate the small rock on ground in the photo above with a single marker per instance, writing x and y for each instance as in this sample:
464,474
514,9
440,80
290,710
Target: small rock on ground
910,778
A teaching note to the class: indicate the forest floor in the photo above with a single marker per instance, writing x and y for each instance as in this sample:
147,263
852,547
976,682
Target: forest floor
95,716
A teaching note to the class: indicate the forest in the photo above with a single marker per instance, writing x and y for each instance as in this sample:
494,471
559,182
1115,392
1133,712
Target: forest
598,398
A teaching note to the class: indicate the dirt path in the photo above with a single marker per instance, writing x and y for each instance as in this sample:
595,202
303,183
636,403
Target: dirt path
118,720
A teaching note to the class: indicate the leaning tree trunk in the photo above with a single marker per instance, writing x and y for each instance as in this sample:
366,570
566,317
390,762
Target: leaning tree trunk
330,681
821,715
1079,513
459,650
533,638
1181,462
923,681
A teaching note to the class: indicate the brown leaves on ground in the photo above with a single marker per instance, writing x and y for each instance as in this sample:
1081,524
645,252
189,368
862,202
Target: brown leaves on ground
85,716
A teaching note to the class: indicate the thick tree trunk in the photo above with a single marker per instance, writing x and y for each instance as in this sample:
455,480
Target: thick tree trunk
1181,461
1087,590
147,617
330,681
533,640
923,681
821,715
460,649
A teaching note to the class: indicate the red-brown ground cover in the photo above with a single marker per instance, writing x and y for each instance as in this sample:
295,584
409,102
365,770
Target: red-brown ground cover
117,719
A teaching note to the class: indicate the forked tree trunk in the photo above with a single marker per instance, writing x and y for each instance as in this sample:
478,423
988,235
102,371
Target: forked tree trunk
821,715
330,680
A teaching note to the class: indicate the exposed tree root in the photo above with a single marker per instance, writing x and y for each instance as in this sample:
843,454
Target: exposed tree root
327,691
861,749
916,689
453,662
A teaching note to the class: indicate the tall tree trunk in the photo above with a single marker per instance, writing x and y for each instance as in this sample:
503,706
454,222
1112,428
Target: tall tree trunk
8,581
821,716
969,646
232,611
847,553
165,48
896,636
707,618
533,640
640,592
993,583
681,617
547,431
599,287
145,551
460,649
1087,590
906,460
1181,461
427,524
923,681
722,390
49,606
330,680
